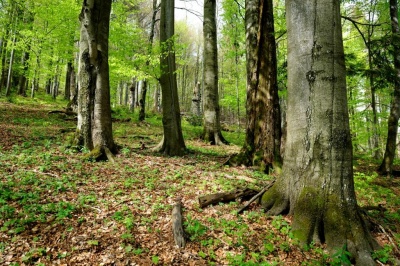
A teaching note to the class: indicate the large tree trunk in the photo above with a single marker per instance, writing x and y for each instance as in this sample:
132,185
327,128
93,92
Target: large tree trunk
386,166
316,186
212,127
172,143
263,131
94,111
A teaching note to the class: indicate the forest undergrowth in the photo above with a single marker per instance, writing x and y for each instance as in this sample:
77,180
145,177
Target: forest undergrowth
57,208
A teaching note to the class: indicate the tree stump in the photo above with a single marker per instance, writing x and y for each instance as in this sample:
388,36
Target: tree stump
177,228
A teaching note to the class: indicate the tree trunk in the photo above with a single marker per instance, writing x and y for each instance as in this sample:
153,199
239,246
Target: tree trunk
263,129
132,92
142,101
94,129
67,88
196,100
212,126
10,67
156,106
23,79
316,186
172,143
386,166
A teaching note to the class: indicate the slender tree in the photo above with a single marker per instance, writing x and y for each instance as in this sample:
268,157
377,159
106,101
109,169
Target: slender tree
263,130
212,128
172,143
316,185
94,129
386,166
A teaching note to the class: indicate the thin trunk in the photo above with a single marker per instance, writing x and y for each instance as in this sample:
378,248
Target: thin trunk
67,89
132,92
386,166
212,125
9,76
142,101
23,79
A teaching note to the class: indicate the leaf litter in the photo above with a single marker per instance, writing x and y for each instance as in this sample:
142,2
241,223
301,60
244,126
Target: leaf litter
56,209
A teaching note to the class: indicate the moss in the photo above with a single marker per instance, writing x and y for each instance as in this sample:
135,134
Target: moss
94,155
308,212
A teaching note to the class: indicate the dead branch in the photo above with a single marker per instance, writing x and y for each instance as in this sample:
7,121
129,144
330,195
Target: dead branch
206,200
259,194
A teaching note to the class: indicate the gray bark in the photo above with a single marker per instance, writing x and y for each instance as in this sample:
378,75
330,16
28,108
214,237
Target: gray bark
94,111
316,185
10,67
212,124
172,143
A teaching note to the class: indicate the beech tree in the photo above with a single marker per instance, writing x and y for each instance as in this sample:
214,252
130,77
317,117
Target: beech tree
316,186
263,129
172,143
386,166
212,125
94,129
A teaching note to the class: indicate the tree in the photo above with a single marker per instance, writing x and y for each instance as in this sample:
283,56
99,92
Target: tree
212,127
172,143
142,100
94,129
386,166
316,185
263,129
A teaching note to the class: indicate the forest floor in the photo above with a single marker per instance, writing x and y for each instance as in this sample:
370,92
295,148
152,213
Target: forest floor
58,209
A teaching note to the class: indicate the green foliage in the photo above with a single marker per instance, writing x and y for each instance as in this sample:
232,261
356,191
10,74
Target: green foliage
384,254
341,257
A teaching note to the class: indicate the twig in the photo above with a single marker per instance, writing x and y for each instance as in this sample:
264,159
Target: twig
256,196
388,236
44,173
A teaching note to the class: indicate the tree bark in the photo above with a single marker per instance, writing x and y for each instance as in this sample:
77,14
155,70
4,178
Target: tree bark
23,79
142,101
94,129
212,126
172,143
10,67
67,88
316,186
386,166
263,129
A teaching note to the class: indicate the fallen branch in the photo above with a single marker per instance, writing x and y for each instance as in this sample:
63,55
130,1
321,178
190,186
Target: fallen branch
177,228
259,194
66,112
206,200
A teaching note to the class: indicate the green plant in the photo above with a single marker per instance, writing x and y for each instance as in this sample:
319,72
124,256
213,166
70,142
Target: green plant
383,254
195,228
341,257
155,259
